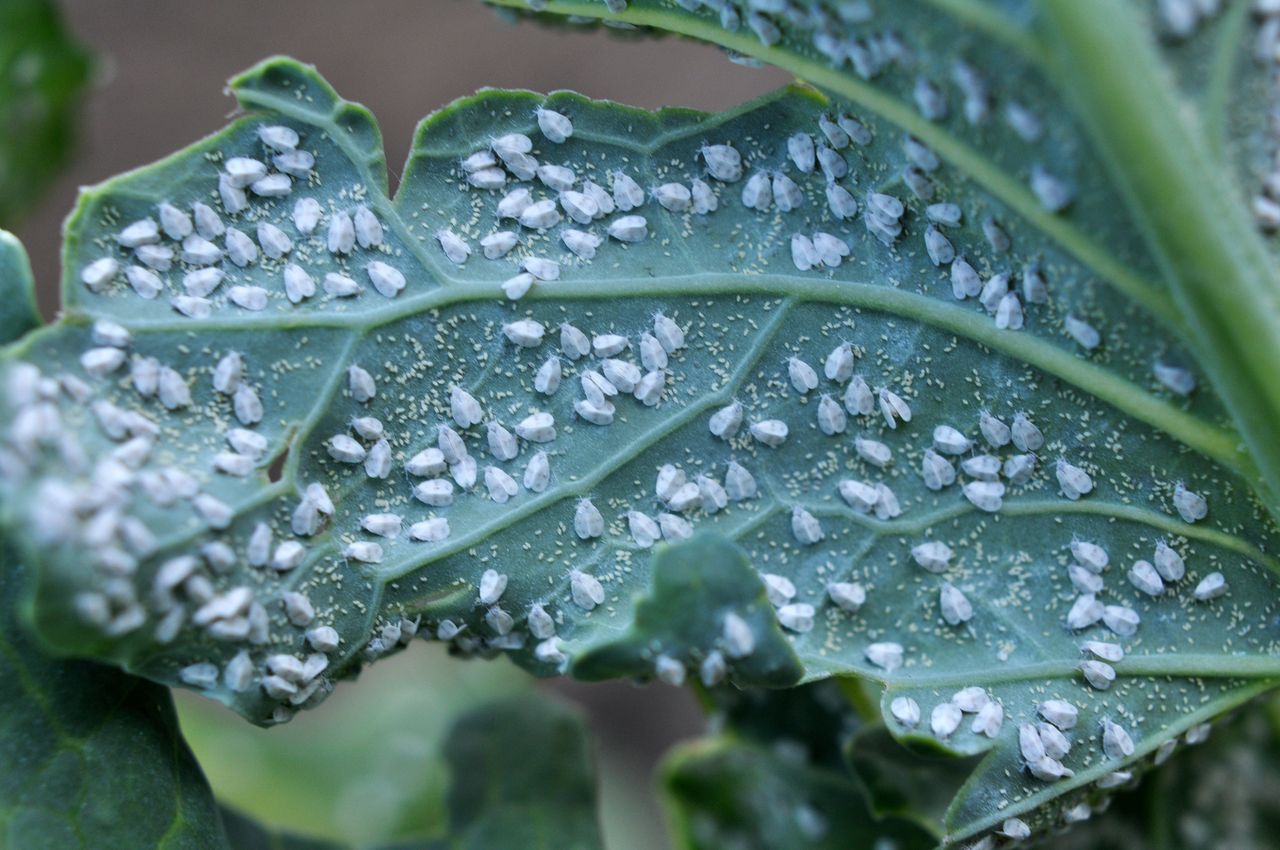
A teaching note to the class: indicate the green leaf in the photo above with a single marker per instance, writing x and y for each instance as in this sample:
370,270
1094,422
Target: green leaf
728,794
92,757
1210,794
728,282
521,778
369,769
1170,208
42,73
17,289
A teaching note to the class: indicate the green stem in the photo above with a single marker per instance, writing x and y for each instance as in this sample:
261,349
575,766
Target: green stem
1223,279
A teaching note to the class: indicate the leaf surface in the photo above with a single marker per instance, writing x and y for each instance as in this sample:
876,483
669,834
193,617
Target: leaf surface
133,566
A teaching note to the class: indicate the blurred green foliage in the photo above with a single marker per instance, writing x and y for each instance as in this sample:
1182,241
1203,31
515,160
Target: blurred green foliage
42,73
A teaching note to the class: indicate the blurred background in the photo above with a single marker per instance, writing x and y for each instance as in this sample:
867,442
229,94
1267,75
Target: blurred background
349,769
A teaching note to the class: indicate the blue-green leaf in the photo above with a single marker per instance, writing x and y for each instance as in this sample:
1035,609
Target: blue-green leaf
159,547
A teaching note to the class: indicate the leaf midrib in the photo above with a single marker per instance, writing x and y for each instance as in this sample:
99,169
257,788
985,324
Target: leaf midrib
1217,443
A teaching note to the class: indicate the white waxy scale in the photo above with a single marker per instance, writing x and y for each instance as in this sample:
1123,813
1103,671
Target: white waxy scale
723,162
437,492
757,192
1073,480
726,421
1121,620
945,719
803,377
797,617
840,202
1210,587
805,526
518,286
800,150
873,452
386,279
906,711
307,213
558,178
674,197
832,419
526,333
1103,651
1144,577
893,408
608,345
298,285
1116,742
936,470
383,524
274,185
537,475
1025,435
360,384
739,640
674,528
499,244
629,228
770,432
858,398
555,126
739,483
703,197
643,529
786,194
243,171
1168,563
1084,612
887,656
985,495
847,596
252,298
431,530
1191,506
933,555
455,248
1099,674
586,590
989,719
501,486
99,273
954,605
202,282
340,286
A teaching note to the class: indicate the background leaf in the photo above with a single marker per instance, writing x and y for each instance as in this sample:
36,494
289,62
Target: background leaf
93,757
750,318
519,775
42,73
